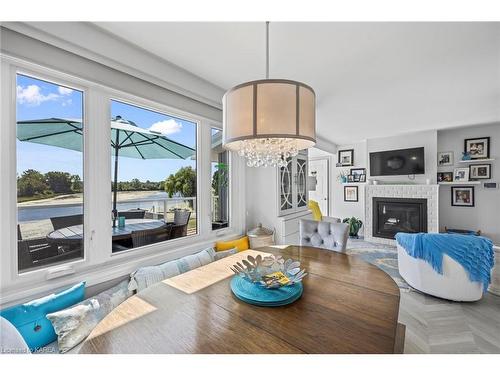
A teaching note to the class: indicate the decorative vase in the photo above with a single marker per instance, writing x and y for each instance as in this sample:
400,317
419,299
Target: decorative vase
344,179
466,156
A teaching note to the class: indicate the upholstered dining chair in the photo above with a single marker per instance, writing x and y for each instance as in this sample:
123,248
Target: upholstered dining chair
324,234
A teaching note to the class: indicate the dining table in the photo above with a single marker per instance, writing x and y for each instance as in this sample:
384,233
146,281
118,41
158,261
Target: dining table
347,306
74,234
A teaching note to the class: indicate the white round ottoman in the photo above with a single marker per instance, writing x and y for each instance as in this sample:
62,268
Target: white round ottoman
453,284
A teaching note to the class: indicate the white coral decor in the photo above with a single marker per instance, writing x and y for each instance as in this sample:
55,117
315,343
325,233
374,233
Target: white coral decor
254,268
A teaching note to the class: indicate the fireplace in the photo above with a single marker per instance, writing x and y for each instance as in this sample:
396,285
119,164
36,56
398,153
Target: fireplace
393,215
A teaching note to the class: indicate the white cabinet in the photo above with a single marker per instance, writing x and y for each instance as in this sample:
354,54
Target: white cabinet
277,198
292,186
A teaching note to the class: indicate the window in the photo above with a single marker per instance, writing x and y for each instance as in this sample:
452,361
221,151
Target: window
154,179
220,181
49,173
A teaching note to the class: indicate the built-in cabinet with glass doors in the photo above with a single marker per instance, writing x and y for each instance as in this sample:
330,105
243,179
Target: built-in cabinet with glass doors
292,185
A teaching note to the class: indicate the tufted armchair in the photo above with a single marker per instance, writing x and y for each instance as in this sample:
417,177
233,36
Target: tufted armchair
323,234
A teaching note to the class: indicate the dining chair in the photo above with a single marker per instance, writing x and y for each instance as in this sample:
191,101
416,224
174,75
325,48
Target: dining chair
145,237
180,223
323,234
59,222
133,214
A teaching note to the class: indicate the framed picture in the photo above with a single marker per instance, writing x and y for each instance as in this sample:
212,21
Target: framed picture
462,196
445,158
350,178
461,174
445,177
346,157
362,178
478,148
350,193
358,171
480,171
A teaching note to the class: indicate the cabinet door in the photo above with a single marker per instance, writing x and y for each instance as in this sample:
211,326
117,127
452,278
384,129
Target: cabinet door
301,192
285,186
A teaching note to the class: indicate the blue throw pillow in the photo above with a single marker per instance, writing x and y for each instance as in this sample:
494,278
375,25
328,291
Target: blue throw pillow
29,318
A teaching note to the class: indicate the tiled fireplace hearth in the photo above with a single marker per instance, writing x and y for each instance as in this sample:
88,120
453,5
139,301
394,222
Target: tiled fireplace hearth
412,199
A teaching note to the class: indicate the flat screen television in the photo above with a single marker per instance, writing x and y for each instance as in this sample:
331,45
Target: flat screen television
397,162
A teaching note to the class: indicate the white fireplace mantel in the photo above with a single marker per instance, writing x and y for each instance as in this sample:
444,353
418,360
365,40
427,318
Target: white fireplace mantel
429,192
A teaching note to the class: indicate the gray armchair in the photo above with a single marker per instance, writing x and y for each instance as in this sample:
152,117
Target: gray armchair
324,234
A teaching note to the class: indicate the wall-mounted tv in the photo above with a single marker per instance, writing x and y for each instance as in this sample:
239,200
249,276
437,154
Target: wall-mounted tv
397,162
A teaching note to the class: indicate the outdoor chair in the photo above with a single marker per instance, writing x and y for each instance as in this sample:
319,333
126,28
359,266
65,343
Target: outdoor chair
148,236
180,223
59,222
133,214
37,252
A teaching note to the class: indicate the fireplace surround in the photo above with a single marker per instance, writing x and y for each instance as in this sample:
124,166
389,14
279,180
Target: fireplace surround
406,191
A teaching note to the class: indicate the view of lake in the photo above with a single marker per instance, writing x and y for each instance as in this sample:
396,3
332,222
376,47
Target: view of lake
147,202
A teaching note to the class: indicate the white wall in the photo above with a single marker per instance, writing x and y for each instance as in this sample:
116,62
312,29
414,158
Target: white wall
485,215
340,208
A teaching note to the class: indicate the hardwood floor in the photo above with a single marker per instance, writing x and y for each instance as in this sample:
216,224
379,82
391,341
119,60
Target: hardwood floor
435,325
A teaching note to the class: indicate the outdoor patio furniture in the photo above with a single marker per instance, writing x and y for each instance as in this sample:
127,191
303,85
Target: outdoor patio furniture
180,223
59,222
38,252
133,214
73,235
147,236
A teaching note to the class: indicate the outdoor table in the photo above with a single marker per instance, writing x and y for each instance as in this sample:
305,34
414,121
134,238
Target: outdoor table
73,234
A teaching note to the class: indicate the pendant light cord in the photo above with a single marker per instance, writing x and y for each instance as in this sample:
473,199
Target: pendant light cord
267,49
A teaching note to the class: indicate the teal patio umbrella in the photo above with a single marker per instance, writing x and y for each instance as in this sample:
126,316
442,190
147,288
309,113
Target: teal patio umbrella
127,139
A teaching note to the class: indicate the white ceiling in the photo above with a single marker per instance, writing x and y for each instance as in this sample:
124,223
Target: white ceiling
371,79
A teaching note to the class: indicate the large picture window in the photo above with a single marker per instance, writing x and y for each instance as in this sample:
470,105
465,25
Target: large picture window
220,181
49,173
154,180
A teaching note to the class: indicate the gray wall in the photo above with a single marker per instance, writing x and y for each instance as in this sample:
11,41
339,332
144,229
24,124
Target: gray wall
485,215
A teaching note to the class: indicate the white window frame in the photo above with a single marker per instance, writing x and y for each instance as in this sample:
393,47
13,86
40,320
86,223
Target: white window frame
99,264
221,231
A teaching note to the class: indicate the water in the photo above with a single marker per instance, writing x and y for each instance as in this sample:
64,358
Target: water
149,202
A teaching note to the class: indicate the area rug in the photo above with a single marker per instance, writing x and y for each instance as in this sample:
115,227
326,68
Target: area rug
382,256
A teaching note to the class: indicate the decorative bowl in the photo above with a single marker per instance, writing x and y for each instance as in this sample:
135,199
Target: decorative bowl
271,272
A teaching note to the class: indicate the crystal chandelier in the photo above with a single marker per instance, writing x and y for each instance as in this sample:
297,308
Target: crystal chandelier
269,120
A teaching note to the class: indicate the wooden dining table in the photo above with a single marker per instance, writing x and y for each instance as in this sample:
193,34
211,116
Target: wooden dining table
74,234
347,306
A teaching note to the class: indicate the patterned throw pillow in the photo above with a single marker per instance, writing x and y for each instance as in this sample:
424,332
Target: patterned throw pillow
222,254
149,275
74,324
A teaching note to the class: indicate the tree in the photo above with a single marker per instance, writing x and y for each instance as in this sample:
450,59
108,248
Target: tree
76,184
183,182
59,182
30,183
220,178
135,184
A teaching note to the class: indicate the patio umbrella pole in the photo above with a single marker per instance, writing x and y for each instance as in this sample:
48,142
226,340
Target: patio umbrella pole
115,182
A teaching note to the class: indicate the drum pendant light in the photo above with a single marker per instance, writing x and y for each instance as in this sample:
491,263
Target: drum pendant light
269,120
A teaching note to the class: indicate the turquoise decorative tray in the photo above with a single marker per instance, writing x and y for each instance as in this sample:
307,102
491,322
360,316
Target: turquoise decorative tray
256,294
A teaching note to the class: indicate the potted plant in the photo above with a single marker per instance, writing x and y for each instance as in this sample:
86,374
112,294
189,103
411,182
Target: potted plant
354,226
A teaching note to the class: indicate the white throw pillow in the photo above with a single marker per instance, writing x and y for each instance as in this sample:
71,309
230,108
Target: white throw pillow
74,324
11,341
146,276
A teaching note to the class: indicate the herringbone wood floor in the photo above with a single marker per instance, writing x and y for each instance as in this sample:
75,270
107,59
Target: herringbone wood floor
435,325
